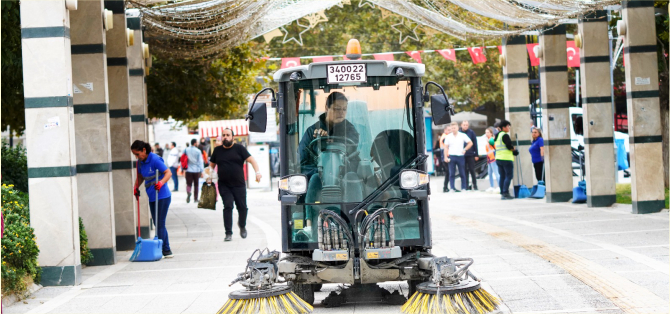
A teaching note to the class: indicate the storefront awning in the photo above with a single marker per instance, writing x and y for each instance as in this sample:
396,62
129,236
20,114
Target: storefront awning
240,127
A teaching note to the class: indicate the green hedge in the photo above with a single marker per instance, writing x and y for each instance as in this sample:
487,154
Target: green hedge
84,252
15,167
19,250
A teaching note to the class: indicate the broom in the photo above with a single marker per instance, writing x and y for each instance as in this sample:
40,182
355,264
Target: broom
261,295
452,289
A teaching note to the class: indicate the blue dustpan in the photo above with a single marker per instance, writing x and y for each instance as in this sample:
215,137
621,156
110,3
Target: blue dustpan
579,192
147,250
539,190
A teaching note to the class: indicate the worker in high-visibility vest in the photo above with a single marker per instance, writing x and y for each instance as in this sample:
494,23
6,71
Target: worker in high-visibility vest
505,153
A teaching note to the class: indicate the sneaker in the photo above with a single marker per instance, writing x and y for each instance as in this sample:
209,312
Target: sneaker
167,254
445,190
507,196
457,190
475,188
229,237
243,233
188,197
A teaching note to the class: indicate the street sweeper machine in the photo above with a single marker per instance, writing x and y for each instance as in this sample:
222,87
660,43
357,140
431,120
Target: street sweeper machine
354,193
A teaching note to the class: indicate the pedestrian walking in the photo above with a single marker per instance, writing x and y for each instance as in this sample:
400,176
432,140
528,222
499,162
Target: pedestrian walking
173,162
505,153
491,160
204,145
158,150
230,159
456,144
471,156
148,163
537,153
193,171
445,156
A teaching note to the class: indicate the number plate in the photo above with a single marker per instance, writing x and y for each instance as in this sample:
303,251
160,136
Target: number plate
344,73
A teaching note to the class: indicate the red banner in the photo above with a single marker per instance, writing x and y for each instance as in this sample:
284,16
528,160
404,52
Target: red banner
573,54
289,62
477,54
449,54
416,55
534,60
383,56
322,59
500,49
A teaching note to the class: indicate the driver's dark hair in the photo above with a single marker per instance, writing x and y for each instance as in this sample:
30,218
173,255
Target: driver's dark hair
333,97
504,123
140,145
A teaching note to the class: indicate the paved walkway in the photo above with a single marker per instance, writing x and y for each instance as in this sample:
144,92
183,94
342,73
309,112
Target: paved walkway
537,257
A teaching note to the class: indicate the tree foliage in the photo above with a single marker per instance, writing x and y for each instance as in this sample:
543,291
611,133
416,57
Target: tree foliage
191,89
472,85
12,68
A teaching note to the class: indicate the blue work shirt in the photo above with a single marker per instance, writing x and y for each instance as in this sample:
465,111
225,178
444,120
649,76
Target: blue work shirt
148,172
534,150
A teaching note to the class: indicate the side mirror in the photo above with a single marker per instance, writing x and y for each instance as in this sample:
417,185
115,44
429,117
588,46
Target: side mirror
258,118
439,105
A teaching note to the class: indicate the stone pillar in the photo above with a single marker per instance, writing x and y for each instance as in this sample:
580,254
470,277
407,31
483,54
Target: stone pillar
91,116
125,210
555,115
597,104
517,99
50,137
137,102
644,122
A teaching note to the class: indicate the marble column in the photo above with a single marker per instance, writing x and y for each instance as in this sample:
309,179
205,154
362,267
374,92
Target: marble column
137,102
597,104
555,115
644,122
50,138
91,116
517,100
125,210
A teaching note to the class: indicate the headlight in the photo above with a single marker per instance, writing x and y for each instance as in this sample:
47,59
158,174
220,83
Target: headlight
412,179
295,184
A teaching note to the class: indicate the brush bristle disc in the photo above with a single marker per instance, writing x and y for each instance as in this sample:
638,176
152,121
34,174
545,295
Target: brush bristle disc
278,299
466,298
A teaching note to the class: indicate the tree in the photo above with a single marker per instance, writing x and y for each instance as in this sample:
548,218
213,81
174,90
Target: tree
217,89
12,68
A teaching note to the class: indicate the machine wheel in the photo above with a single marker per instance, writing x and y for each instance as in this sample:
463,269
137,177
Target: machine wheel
412,287
304,291
317,287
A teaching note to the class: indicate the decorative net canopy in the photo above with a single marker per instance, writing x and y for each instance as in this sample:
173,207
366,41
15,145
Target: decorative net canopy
207,28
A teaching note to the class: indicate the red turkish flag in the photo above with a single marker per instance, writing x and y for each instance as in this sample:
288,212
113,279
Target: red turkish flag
322,59
534,60
289,62
416,55
477,54
573,54
383,56
500,49
449,54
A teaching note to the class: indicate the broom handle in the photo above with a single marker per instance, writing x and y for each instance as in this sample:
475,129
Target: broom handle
156,205
543,171
518,160
137,198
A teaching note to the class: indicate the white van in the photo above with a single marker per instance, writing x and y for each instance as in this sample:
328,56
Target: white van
577,133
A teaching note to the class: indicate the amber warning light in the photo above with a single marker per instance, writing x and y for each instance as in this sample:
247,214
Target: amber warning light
353,49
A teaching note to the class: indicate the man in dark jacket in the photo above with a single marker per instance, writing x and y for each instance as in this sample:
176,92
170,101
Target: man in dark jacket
471,155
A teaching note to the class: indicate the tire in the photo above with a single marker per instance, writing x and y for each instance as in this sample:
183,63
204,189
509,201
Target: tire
304,291
317,287
412,287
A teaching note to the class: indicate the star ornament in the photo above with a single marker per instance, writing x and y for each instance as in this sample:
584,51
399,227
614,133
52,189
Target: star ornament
363,3
316,18
292,38
385,13
406,31
343,3
274,33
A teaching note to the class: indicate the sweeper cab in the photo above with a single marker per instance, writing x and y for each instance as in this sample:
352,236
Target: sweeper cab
354,189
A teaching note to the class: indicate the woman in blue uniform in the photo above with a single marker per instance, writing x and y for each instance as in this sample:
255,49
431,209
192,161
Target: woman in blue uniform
148,163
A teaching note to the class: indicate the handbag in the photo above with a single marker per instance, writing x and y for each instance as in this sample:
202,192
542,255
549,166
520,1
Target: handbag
184,161
207,196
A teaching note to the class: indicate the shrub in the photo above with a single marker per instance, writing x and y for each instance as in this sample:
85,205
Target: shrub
19,250
15,167
84,251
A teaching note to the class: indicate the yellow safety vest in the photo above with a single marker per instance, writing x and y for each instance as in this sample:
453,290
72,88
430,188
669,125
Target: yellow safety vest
502,153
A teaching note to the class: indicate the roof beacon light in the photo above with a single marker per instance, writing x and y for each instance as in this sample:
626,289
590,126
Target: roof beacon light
353,49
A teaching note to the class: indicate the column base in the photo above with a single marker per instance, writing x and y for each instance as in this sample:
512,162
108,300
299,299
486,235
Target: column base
61,275
125,242
600,200
647,207
559,197
103,256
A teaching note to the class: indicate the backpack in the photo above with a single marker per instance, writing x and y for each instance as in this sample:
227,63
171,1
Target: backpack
184,161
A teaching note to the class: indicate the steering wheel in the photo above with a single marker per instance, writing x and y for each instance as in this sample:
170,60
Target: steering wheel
341,139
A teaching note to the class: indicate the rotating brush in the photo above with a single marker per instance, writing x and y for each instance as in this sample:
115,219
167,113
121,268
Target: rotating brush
452,290
261,294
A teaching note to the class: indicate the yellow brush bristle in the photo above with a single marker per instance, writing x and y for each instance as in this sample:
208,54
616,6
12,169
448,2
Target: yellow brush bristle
475,302
289,303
